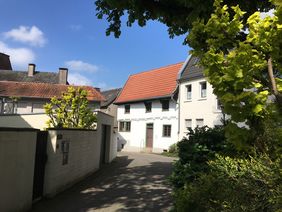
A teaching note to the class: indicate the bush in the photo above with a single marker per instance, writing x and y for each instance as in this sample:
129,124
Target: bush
173,149
251,184
194,153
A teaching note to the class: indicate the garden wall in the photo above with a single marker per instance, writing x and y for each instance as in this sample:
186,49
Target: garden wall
17,154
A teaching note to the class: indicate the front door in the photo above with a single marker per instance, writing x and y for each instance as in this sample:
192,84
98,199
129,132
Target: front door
149,137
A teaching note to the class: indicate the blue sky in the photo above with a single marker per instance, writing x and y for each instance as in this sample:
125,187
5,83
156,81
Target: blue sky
63,33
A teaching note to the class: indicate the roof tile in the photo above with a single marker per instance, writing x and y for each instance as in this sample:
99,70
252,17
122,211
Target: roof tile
151,84
43,90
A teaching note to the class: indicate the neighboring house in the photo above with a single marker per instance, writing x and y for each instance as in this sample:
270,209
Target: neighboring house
198,106
147,110
29,97
31,75
5,63
108,105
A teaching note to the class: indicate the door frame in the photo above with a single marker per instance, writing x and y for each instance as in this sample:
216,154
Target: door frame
105,143
149,149
39,165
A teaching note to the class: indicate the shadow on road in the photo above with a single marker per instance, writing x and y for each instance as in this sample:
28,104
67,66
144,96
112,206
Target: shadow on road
117,187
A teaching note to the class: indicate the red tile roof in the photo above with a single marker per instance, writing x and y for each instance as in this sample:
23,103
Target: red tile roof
42,90
151,84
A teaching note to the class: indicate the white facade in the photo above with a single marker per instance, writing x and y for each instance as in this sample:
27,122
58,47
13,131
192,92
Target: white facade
135,139
197,107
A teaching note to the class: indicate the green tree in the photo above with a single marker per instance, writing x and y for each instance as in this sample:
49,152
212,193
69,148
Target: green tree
240,52
70,110
177,15
245,73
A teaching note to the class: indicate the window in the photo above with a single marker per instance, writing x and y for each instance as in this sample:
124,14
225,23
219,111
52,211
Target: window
199,122
124,126
148,106
189,92
165,105
218,104
166,130
203,87
188,124
126,108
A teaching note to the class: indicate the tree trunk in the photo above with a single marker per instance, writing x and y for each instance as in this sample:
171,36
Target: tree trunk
273,83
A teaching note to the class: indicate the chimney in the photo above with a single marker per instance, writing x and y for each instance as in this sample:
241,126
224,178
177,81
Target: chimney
63,76
5,63
31,70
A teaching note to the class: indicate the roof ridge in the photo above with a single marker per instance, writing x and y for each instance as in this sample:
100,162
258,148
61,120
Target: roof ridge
157,69
51,84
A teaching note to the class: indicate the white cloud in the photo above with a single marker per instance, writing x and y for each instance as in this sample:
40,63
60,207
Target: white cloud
78,79
20,57
75,27
80,66
24,34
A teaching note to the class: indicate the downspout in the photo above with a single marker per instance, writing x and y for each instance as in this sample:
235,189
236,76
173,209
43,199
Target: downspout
179,90
177,104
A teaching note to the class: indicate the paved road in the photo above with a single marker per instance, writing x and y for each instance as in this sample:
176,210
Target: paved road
133,182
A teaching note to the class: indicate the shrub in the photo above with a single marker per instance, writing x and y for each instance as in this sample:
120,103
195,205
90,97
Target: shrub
232,184
173,149
194,152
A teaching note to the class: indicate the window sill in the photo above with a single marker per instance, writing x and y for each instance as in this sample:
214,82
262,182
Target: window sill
188,100
217,111
165,110
202,99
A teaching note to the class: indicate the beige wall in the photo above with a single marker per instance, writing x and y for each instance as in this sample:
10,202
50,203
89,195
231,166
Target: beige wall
37,121
17,152
197,107
83,158
104,118
112,110
83,155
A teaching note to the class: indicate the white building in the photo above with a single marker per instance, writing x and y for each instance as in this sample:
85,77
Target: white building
148,111
198,106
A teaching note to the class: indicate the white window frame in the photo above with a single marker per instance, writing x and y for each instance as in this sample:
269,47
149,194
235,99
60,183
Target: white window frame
189,94
218,105
203,95
187,121
125,109
168,135
124,126
200,120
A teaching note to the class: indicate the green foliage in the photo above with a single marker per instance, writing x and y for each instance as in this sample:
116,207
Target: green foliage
173,148
250,184
194,153
70,111
236,65
172,151
177,15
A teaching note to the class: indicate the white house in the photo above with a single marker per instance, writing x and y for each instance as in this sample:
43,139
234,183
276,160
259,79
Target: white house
198,106
147,110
